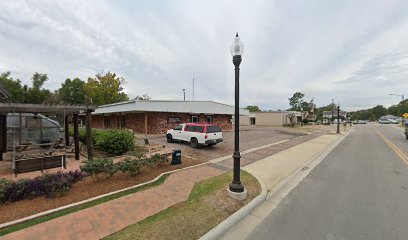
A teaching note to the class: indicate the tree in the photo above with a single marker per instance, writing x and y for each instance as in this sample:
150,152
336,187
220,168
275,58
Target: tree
105,89
13,86
253,108
36,94
144,97
72,91
292,118
296,101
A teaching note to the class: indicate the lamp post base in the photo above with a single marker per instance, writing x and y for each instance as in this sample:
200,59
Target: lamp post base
236,187
241,196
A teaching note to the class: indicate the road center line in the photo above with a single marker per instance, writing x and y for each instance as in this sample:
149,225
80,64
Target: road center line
400,153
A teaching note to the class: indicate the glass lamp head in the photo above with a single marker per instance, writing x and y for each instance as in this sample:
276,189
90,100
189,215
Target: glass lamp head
237,48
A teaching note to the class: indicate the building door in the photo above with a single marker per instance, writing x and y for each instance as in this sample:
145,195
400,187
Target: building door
252,120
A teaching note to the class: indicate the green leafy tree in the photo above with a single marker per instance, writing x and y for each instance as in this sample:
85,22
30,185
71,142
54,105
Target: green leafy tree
144,97
13,86
72,91
296,101
253,108
36,94
105,89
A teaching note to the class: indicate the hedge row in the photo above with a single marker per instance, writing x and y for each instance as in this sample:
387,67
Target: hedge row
113,141
48,185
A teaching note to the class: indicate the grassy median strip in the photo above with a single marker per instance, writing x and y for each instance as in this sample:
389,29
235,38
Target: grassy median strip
54,215
207,206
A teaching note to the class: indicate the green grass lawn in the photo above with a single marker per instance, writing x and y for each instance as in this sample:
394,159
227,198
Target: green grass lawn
207,206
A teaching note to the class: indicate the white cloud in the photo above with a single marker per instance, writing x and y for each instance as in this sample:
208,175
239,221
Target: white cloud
347,50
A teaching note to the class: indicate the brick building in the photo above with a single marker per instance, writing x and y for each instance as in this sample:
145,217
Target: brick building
151,117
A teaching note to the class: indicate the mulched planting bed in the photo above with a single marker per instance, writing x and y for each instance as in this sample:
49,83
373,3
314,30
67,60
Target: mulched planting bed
85,189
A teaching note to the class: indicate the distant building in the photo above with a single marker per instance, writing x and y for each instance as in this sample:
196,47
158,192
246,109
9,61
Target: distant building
272,118
152,116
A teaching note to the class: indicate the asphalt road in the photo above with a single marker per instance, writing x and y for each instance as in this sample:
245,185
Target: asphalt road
359,191
250,137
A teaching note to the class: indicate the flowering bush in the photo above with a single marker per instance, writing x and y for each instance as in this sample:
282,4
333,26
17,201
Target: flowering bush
47,185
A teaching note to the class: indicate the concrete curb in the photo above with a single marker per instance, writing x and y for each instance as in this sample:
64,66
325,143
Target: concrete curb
276,191
224,226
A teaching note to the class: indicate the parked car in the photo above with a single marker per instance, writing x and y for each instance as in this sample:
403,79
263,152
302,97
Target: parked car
196,134
384,121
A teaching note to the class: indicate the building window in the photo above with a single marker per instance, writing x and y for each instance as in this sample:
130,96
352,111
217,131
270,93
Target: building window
194,119
208,119
122,121
106,121
174,120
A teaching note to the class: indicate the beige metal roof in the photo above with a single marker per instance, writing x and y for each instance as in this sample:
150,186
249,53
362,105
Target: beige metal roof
205,107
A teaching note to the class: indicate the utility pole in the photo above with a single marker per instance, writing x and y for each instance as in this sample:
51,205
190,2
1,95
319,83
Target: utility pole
184,94
193,86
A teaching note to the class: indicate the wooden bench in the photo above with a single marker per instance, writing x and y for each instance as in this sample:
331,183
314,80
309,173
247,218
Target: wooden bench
30,164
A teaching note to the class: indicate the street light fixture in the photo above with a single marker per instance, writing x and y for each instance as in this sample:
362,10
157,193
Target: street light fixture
236,188
400,95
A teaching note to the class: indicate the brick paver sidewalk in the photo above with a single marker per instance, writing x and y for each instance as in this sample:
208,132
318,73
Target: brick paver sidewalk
105,219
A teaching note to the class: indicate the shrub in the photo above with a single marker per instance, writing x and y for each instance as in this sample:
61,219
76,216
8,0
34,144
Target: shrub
99,168
48,185
158,159
115,141
82,134
130,165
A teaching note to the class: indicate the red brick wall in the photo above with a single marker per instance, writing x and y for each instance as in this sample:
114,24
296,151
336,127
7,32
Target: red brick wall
157,122
224,121
97,121
135,121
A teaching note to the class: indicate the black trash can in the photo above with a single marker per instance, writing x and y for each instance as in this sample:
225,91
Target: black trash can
176,157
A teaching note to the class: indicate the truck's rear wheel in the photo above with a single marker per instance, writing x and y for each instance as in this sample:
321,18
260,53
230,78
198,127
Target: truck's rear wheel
169,138
194,143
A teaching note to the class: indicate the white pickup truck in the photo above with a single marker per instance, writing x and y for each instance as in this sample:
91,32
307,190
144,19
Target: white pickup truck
196,134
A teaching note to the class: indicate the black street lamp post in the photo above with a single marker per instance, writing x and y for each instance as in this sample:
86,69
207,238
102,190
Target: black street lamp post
338,119
236,51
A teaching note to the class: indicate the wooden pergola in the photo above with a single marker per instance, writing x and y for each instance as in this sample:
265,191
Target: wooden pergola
67,110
